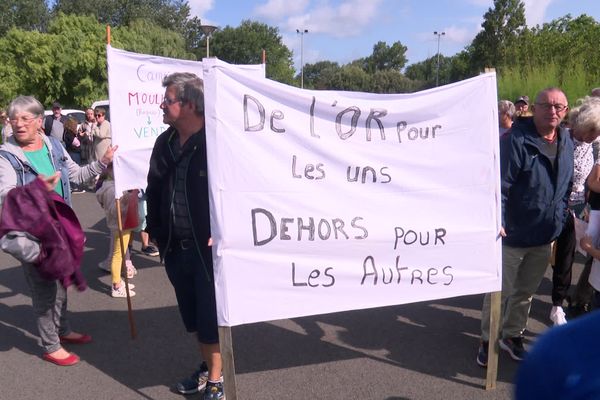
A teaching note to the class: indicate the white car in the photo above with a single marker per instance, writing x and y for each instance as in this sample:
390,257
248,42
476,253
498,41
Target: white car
77,114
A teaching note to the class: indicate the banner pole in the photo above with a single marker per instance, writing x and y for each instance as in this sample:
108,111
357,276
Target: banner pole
492,366
124,268
108,34
226,344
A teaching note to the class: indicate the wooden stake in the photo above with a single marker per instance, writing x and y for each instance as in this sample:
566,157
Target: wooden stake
492,365
228,362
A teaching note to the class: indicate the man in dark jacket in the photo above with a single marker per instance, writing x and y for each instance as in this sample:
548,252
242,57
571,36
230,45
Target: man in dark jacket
178,220
536,165
54,124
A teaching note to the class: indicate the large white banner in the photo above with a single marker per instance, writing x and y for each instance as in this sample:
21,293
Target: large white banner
135,91
325,201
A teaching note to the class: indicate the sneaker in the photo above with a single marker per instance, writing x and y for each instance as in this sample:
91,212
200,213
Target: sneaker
214,391
482,354
514,347
194,383
150,251
121,292
557,316
131,270
77,191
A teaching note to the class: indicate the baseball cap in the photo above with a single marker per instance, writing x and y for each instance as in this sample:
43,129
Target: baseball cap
524,99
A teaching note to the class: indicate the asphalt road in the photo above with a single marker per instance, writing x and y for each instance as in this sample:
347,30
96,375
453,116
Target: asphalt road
418,351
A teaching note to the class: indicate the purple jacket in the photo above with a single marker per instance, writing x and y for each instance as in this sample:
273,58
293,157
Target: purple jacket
43,214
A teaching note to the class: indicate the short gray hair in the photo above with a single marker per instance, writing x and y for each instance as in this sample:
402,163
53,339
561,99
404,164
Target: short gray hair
25,103
506,107
189,88
586,116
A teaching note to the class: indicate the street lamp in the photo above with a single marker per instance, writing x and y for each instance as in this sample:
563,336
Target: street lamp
437,70
301,32
208,31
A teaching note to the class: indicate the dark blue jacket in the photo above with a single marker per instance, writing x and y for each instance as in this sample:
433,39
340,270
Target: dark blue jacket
534,195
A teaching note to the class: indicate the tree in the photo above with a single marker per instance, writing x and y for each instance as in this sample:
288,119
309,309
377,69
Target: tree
318,75
244,45
494,46
26,14
167,14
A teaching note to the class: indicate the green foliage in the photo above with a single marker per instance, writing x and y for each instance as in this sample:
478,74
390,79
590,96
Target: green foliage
142,36
26,14
494,45
515,82
244,45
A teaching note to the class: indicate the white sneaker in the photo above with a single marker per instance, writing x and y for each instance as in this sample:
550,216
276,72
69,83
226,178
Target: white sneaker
121,292
557,315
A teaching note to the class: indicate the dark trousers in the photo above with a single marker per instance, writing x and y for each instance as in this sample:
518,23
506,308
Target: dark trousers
563,262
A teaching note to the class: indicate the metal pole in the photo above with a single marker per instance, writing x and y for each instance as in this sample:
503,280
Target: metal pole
301,32
437,69
302,60
208,46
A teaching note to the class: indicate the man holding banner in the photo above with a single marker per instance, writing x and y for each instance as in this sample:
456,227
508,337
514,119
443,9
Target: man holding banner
536,165
178,220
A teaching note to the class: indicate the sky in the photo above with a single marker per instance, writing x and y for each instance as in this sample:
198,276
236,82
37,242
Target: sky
345,30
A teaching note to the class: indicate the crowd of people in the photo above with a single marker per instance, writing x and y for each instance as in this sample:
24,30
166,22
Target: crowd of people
550,183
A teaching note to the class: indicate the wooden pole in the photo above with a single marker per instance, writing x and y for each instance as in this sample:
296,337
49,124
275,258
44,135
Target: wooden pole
226,344
492,366
124,268
264,56
108,34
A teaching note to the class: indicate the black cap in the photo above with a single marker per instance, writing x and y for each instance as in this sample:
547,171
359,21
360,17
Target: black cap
55,105
524,99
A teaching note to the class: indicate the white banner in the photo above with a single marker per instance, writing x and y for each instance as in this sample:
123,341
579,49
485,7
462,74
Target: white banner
135,91
325,201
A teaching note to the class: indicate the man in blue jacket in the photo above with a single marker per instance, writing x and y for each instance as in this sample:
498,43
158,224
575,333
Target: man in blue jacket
536,165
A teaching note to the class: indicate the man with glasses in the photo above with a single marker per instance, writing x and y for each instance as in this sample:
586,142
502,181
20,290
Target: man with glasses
536,167
101,133
178,220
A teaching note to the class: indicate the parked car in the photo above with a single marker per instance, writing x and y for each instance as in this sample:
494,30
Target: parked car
104,104
77,114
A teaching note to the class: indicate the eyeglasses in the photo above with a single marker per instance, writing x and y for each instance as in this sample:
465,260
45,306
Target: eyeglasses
547,107
99,115
169,101
24,120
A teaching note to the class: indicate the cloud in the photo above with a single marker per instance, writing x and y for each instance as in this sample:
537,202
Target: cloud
279,9
199,7
535,11
348,18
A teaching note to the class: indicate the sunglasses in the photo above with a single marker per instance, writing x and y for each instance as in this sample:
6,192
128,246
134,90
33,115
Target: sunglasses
99,115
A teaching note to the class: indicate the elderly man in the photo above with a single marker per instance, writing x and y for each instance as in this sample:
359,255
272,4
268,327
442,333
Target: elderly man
26,156
521,106
54,124
178,220
536,166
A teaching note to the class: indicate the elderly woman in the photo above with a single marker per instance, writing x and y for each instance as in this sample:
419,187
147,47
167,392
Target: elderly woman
506,113
44,158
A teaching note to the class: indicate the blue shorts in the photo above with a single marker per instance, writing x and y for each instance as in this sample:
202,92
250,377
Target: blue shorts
189,274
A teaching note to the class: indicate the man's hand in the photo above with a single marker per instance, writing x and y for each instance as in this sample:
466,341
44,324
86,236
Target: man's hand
50,181
108,156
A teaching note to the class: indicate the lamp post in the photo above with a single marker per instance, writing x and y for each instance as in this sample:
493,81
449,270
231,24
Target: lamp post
301,32
437,70
208,31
